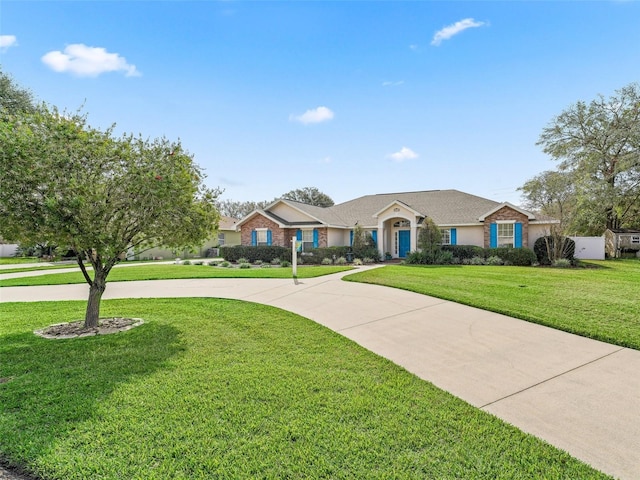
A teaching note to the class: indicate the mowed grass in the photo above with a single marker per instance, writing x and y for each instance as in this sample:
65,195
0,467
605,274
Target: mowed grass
211,388
17,260
602,302
36,269
165,272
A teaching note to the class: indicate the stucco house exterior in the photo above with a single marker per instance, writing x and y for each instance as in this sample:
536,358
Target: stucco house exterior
227,234
393,220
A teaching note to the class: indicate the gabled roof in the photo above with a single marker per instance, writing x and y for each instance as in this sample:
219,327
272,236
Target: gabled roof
529,215
227,223
399,203
444,207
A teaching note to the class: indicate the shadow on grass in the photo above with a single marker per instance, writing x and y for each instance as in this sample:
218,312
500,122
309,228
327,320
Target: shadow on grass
50,386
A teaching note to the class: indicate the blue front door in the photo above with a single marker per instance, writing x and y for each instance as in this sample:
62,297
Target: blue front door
404,243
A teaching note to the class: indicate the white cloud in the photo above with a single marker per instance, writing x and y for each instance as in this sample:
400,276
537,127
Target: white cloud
86,61
7,41
404,154
454,29
317,115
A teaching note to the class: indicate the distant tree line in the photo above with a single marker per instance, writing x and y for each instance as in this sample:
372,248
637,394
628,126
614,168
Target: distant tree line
308,195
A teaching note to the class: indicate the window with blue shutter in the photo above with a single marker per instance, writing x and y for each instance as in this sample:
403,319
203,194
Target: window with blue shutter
518,235
351,238
374,236
453,236
299,235
269,237
254,238
493,237
315,238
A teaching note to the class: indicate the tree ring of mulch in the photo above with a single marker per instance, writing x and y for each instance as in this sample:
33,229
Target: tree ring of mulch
77,329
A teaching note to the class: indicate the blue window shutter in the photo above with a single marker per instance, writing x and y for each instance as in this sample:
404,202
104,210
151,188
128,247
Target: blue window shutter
493,239
453,236
518,235
269,237
315,238
351,238
374,236
254,238
299,235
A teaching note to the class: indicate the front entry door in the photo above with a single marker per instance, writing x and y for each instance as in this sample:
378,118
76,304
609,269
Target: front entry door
404,243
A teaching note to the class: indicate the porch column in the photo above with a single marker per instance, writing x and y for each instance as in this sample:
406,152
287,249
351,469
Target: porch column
381,240
414,235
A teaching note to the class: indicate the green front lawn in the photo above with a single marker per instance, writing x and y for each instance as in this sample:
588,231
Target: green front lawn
602,302
172,271
17,260
211,388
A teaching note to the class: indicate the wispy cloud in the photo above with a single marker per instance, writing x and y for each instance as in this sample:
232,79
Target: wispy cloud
7,41
325,160
85,61
316,115
393,84
454,29
404,154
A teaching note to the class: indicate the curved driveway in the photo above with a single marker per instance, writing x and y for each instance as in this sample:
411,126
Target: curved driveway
580,395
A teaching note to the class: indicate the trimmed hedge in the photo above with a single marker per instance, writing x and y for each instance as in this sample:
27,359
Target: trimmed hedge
464,251
521,257
252,254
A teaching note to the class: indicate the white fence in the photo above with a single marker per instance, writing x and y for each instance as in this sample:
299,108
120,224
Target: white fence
8,250
589,248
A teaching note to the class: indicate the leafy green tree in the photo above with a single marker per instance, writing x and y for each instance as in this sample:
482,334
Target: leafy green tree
552,193
599,144
14,99
310,196
430,241
66,183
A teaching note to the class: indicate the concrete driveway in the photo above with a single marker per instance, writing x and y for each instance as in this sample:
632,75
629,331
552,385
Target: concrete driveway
580,395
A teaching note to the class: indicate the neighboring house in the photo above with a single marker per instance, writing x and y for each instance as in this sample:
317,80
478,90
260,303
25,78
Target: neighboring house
225,235
621,241
394,219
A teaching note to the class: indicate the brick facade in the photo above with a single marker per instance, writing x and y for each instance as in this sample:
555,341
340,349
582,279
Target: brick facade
506,213
279,236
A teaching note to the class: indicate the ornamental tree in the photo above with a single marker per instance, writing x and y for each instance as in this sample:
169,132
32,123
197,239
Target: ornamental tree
599,145
66,183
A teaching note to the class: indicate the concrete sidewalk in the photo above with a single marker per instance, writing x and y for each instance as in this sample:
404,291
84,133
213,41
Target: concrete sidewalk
580,395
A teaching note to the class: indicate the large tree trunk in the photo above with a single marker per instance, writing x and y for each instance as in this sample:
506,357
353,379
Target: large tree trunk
96,289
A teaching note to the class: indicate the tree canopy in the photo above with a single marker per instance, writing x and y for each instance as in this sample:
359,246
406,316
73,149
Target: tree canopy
69,184
310,196
599,145
13,98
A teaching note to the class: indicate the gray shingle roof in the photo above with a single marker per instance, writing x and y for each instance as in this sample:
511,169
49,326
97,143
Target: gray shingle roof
445,207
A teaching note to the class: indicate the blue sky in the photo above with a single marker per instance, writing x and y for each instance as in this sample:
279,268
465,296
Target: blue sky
353,98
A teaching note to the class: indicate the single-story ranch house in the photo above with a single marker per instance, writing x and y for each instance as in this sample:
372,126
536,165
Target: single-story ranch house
394,219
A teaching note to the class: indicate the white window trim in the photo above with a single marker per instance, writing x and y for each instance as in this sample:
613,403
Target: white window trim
258,232
512,236
448,234
309,243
